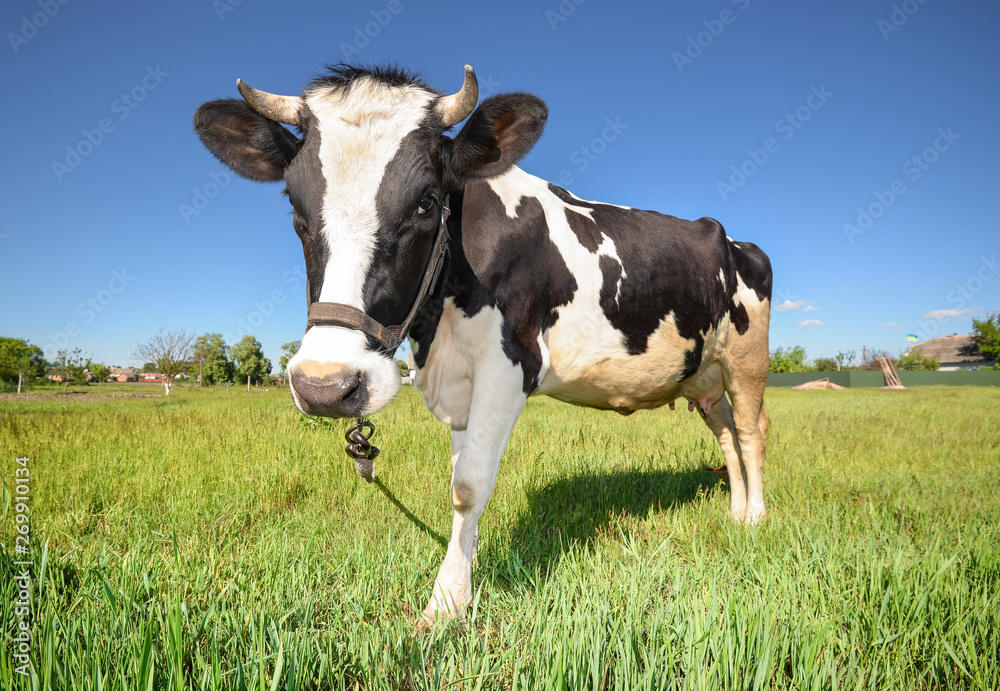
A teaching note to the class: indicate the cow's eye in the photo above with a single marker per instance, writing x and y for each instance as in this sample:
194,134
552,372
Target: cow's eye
426,204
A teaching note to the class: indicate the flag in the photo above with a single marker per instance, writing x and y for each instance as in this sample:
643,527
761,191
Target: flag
911,337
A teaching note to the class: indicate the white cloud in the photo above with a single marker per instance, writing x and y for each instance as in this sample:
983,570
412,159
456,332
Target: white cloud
809,323
789,305
812,308
892,324
952,314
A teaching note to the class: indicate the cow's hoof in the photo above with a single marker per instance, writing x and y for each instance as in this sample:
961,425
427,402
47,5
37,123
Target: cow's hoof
430,619
754,517
425,624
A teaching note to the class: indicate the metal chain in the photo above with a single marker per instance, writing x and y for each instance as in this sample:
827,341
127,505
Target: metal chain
360,449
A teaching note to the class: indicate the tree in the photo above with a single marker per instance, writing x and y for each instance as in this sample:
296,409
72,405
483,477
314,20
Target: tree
825,364
917,362
986,335
169,352
404,369
793,360
249,362
845,359
211,359
21,359
100,372
289,350
70,366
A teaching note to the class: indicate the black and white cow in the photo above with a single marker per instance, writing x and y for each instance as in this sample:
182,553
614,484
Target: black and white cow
541,293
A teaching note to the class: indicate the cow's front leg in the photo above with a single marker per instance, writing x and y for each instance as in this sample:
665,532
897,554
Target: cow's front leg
497,400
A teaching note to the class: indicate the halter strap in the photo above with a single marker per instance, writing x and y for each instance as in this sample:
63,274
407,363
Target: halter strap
388,337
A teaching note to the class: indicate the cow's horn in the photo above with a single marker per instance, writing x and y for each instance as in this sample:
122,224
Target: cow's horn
457,107
284,109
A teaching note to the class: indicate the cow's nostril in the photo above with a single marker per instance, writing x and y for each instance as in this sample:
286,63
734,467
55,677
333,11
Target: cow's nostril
353,390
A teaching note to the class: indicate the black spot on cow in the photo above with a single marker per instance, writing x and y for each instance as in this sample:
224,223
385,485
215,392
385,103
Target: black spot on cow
405,237
457,281
611,270
672,268
740,319
692,359
520,266
305,187
470,295
754,268
585,230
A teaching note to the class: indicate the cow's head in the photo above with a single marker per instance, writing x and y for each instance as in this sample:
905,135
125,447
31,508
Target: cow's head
367,178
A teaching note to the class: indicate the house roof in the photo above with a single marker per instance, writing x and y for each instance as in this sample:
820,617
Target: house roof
124,370
953,348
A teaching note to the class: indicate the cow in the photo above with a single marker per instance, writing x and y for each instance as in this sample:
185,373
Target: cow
508,286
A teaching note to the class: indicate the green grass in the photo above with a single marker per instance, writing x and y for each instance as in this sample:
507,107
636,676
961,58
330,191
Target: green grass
211,540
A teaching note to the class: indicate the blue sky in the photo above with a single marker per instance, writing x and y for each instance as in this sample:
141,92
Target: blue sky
855,142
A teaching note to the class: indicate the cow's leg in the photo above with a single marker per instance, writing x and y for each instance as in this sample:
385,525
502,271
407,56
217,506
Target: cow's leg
749,417
457,442
720,421
497,400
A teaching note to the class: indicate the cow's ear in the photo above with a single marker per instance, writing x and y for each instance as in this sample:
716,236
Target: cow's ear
250,144
498,134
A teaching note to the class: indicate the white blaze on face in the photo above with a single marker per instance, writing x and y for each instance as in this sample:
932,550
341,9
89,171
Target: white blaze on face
360,130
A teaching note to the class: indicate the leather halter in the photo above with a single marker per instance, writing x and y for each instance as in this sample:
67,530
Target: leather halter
388,337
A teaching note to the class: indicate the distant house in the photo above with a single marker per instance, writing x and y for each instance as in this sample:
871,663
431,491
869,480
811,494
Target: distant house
954,352
124,374
151,376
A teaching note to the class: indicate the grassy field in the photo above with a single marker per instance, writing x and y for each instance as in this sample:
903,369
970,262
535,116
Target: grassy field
216,540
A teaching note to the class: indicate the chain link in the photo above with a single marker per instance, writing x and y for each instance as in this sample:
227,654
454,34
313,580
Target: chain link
360,449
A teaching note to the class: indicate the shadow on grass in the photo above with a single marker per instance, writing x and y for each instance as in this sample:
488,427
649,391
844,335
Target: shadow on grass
412,517
573,510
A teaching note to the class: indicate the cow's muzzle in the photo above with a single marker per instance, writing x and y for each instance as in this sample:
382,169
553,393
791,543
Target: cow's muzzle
329,392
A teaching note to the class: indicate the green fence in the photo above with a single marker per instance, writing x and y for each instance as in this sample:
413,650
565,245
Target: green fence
854,378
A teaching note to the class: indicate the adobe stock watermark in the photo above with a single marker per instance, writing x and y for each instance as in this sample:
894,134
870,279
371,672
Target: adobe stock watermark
122,107
960,296
201,197
366,33
696,45
21,639
787,126
582,157
294,278
900,14
30,26
224,7
89,308
487,86
562,12
913,169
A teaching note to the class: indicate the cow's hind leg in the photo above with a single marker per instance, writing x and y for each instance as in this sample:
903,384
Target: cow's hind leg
750,418
497,400
720,421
